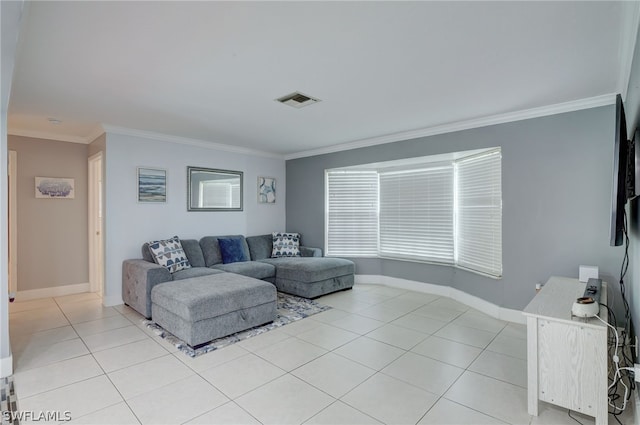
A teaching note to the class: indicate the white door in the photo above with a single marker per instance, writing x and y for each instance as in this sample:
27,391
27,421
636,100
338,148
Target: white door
96,241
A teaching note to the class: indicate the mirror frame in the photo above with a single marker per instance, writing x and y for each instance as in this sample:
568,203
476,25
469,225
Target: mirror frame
191,196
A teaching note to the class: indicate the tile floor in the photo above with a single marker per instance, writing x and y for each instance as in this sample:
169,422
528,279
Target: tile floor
381,355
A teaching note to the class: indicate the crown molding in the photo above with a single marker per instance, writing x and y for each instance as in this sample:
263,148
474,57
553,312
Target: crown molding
559,108
187,141
49,136
629,39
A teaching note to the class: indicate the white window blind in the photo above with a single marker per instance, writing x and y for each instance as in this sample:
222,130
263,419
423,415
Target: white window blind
479,213
416,214
352,213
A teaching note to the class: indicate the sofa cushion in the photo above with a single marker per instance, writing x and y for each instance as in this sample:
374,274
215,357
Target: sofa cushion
254,269
169,253
310,269
211,249
194,272
204,297
260,246
285,245
231,250
193,251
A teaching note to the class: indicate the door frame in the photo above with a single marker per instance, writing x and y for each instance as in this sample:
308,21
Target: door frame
13,224
96,227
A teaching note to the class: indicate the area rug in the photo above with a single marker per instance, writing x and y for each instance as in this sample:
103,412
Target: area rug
290,309
8,402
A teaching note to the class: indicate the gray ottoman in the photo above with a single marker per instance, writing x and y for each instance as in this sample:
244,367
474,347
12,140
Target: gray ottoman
311,277
200,309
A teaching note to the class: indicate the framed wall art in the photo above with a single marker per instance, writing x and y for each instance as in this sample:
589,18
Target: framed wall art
266,190
152,185
55,188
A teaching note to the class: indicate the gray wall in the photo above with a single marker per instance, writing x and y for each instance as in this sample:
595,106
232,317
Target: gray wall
52,233
556,191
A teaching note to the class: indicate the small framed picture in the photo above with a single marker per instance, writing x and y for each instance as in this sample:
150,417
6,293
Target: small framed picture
266,190
152,185
55,188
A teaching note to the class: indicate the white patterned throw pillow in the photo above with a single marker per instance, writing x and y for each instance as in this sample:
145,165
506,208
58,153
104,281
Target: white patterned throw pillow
169,253
285,245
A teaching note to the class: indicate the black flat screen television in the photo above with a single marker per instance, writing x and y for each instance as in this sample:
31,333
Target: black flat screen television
621,171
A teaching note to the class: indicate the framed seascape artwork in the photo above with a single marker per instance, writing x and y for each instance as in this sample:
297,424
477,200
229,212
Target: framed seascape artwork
266,190
55,188
152,185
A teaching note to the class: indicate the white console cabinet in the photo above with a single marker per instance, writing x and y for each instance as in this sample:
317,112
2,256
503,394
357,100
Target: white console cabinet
566,356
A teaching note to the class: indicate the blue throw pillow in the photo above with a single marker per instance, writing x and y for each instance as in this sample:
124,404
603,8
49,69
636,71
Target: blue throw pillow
231,250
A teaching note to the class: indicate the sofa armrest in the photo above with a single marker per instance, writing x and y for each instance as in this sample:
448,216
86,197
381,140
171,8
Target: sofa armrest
138,278
306,251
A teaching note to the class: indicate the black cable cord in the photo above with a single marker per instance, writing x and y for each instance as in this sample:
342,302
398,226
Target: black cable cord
569,413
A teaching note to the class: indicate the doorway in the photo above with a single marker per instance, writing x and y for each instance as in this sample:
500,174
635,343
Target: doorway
96,225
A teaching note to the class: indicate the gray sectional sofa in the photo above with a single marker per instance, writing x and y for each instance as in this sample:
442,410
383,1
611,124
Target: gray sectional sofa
308,276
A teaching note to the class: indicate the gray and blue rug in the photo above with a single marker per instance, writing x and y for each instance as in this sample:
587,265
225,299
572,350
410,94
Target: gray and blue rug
8,402
290,309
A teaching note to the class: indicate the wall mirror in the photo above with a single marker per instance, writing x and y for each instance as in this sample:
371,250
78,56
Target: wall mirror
213,190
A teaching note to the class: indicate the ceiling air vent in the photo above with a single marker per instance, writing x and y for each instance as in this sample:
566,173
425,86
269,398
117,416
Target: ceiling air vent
298,100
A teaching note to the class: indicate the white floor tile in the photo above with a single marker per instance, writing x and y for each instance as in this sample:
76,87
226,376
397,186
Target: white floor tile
18,306
78,399
86,311
446,412
445,302
242,375
419,323
424,298
437,312
113,338
502,367
389,400
190,397
213,358
340,413
333,374
118,414
327,337
28,322
492,397
387,290
369,352
300,326
510,346
291,353
35,356
59,374
25,342
397,336
423,372
381,313
515,330
287,400
446,351
357,324
139,379
229,413
264,340
127,355
465,335
329,316
73,298
402,305
101,325
477,320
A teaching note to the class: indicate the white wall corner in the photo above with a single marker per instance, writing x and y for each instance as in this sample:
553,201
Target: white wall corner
110,301
501,313
6,366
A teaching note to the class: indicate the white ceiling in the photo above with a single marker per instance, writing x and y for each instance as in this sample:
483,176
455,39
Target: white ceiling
210,71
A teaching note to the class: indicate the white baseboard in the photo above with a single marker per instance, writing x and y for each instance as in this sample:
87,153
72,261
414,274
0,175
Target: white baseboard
6,366
484,306
55,291
111,301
